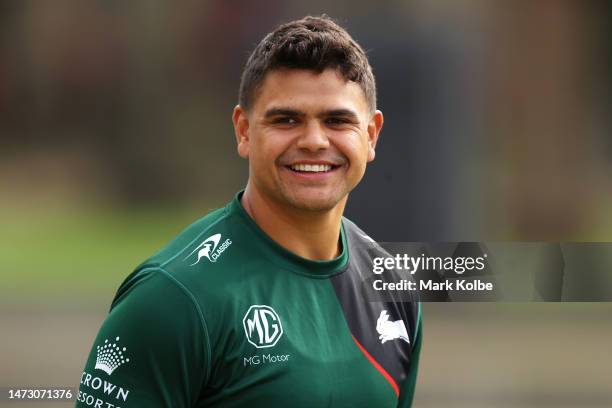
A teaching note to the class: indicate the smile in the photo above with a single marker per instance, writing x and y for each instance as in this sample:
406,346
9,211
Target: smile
311,168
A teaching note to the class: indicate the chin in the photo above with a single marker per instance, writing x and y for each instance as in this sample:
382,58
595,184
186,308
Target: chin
316,206
315,202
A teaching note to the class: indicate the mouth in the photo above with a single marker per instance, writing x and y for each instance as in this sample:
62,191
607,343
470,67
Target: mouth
312,168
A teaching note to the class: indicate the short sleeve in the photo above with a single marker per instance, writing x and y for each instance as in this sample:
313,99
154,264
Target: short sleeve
151,351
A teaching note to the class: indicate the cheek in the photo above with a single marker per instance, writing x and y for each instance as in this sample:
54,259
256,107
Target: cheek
268,147
354,146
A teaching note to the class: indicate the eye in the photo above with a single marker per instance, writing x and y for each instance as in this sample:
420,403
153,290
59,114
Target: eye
336,121
285,120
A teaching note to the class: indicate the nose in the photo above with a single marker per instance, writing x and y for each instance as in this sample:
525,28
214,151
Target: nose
313,137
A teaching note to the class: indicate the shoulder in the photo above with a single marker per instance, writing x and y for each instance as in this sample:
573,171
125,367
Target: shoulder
365,252
362,247
199,246
354,232
179,247
201,260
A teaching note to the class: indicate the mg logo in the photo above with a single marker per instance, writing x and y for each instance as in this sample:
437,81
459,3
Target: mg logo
262,326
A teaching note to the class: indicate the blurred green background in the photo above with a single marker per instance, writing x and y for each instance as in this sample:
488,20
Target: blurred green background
115,134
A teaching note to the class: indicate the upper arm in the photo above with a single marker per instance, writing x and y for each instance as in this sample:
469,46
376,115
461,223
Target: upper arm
152,350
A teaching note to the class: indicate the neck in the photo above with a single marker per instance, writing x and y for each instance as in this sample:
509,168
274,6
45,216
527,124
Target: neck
309,234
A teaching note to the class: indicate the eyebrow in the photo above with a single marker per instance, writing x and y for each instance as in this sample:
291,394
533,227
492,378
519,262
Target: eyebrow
293,112
281,112
347,113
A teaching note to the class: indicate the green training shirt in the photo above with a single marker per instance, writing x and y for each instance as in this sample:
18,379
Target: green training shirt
225,317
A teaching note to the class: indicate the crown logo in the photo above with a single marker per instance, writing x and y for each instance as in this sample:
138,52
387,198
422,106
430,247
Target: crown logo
110,356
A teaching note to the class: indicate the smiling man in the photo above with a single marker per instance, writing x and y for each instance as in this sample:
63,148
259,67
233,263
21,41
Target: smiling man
261,303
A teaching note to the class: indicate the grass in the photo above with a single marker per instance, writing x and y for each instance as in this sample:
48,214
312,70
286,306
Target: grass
64,255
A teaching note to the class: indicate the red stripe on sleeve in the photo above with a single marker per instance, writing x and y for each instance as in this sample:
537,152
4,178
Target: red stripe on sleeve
384,372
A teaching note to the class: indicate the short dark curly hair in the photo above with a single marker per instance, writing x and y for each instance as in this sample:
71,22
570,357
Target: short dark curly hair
314,43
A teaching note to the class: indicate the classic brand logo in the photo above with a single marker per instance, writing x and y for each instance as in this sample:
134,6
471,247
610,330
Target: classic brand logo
110,356
209,249
391,330
262,326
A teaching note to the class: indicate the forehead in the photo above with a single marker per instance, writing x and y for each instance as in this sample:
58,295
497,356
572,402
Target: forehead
308,90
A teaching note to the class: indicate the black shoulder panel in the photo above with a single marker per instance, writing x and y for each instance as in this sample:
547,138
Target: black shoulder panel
384,324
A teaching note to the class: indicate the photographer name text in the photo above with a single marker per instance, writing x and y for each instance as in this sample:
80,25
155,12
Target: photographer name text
432,285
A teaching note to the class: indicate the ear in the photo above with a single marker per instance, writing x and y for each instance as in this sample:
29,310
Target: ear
241,131
374,127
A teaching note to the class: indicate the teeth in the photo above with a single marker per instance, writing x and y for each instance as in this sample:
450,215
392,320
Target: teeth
311,167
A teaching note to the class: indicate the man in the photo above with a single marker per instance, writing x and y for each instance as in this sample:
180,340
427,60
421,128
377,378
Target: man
260,303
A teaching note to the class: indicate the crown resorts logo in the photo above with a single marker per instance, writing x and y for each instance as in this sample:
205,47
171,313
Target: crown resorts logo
262,326
208,248
110,356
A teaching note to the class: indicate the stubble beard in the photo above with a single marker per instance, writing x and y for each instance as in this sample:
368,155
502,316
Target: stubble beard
313,202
